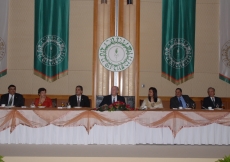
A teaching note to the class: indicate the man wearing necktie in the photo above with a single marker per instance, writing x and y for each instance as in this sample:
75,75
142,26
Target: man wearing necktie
79,100
114,97
12,98
211,100
180,100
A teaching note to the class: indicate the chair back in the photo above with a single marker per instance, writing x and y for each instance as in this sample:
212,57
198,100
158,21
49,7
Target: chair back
130,100
54,102
99,100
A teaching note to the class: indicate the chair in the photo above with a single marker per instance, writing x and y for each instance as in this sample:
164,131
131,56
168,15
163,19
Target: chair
99,100
130,100
23,101
141,101
90,103
224,105
201,104
54,102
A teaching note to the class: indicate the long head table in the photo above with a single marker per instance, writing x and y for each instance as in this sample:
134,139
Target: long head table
87,126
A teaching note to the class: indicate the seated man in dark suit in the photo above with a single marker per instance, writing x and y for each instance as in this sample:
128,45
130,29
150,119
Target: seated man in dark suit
12,98
79,100
180,100
211,100
114,97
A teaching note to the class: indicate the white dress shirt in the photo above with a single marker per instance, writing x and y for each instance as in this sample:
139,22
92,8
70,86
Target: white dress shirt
113,98
213,99
78,98
10,95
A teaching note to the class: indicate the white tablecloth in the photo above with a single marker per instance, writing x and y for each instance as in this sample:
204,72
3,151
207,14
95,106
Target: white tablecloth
85,127
128,133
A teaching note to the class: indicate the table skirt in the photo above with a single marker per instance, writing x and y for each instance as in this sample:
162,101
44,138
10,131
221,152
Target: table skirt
128,133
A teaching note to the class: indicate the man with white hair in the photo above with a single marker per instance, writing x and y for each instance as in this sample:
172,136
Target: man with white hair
114,97
212,100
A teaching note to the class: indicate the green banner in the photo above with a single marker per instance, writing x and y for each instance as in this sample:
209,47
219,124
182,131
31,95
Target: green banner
178,39
51,39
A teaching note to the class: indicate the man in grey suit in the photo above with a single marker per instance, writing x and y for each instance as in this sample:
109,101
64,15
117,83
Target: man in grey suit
180,100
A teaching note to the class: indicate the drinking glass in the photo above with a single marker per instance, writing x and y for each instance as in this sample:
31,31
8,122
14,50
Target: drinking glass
193,105
32,104
217,106
62,104
223,106
68,105
187,105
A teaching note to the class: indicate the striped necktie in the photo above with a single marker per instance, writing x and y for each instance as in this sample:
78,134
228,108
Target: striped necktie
213,101
78,101
10,101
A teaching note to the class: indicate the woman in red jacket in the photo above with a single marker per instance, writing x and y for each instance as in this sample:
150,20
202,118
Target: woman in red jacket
43,100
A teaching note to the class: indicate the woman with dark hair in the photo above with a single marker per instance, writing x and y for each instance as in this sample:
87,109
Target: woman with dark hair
152,101
43,100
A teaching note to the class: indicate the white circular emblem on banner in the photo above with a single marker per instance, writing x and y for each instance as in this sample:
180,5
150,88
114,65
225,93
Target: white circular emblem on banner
225,54
116,54
178,53
51,50
2,49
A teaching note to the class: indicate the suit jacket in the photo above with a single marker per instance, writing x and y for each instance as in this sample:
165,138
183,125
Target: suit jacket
84,101
108,100
174,103
18,99
207,102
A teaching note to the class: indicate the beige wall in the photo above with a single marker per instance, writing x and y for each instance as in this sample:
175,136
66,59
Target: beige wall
21,45
20,51
206,51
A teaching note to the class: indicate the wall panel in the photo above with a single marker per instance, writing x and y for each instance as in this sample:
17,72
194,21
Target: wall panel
21,44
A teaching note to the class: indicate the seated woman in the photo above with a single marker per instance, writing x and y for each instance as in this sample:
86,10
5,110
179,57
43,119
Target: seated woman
43,100
152,101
